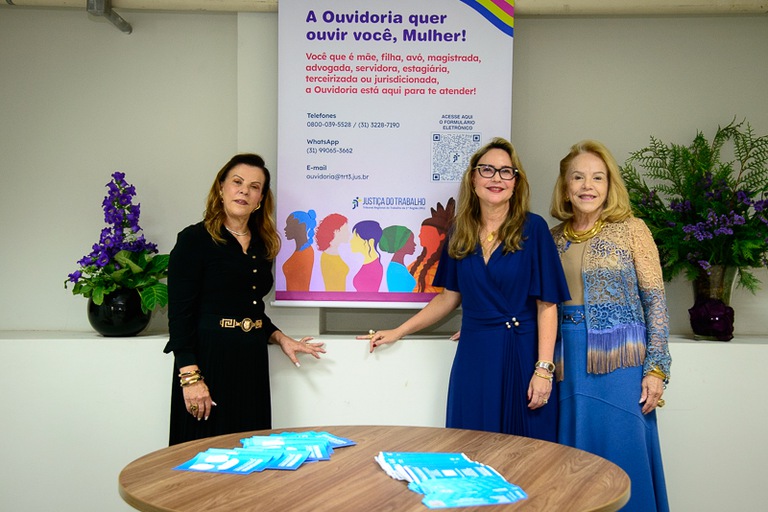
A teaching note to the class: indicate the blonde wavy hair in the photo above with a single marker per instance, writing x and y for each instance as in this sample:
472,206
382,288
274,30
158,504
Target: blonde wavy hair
466,229
617,206
261,221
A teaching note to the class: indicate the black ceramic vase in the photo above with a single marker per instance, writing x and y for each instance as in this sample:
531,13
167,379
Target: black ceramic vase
120,314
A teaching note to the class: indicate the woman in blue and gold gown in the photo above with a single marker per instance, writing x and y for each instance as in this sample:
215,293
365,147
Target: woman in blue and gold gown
613,359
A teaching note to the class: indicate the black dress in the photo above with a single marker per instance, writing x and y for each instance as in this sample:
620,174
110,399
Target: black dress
209,282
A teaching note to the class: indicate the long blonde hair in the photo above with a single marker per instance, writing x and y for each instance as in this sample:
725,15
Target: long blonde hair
616,208
261,221
468,223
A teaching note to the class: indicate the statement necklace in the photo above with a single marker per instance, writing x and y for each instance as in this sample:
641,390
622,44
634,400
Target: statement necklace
236,233
578,237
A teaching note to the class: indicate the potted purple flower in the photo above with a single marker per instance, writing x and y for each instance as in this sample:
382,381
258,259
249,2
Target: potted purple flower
708,216
121,275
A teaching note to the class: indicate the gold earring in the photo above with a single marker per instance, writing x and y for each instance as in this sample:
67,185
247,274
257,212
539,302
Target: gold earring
257,207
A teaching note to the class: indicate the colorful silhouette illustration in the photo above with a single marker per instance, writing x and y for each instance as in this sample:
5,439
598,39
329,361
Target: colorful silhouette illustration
365,240
333,231
398,241
300,227
432,235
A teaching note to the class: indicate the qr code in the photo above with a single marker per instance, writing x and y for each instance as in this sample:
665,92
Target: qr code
451,153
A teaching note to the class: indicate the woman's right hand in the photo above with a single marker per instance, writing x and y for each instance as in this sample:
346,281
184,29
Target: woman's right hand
198,401
378,338
440,305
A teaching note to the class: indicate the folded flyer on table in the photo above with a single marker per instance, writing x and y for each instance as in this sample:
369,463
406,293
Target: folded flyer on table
287,450
449,479
418,465
217,460
317,449
288,460
333,440
467,492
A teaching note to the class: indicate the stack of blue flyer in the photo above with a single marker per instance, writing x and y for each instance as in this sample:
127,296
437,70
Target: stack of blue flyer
449,479
287,450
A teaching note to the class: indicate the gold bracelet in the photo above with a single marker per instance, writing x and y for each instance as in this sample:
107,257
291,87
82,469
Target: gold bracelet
189,374
190,380
656,372
547,377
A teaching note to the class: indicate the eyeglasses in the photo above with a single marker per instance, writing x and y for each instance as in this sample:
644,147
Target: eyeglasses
489,171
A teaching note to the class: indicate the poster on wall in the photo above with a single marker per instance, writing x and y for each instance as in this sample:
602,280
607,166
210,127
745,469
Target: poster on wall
380,106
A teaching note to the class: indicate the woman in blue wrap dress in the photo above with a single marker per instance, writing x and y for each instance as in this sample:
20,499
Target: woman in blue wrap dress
501,266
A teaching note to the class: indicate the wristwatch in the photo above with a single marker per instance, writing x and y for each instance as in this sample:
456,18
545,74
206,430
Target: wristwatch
546,365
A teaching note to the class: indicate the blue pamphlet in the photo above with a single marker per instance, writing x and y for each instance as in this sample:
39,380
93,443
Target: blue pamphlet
335,441
449,479
286,451
316,449
228,461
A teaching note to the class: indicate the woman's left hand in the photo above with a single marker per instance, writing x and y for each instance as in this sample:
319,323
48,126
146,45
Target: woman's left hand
291,347
539,390
653,388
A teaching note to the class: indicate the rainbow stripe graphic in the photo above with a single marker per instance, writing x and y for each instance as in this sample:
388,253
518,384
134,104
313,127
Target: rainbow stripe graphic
501,13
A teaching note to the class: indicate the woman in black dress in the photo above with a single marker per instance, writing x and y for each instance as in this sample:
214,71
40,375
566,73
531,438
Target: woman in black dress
219,272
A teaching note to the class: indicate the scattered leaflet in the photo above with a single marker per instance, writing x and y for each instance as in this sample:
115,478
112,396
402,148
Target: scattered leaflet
314,449
333,440
234,461
468,492
415,466
449,479
286,451
288,459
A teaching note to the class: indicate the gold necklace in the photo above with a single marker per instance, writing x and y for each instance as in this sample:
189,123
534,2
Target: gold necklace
578,237
488,244
237,233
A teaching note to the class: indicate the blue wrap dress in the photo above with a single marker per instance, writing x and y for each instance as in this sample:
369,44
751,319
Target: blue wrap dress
498,348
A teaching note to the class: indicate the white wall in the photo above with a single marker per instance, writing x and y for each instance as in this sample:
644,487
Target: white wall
78,408
80,99
171,102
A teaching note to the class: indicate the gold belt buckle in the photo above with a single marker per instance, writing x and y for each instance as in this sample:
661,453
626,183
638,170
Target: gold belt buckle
246,324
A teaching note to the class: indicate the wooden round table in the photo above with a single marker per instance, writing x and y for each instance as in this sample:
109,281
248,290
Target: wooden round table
554,477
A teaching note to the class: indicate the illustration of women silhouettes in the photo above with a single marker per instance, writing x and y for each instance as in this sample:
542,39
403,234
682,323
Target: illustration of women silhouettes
333,231
300,227
398,241
365,240
432,235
